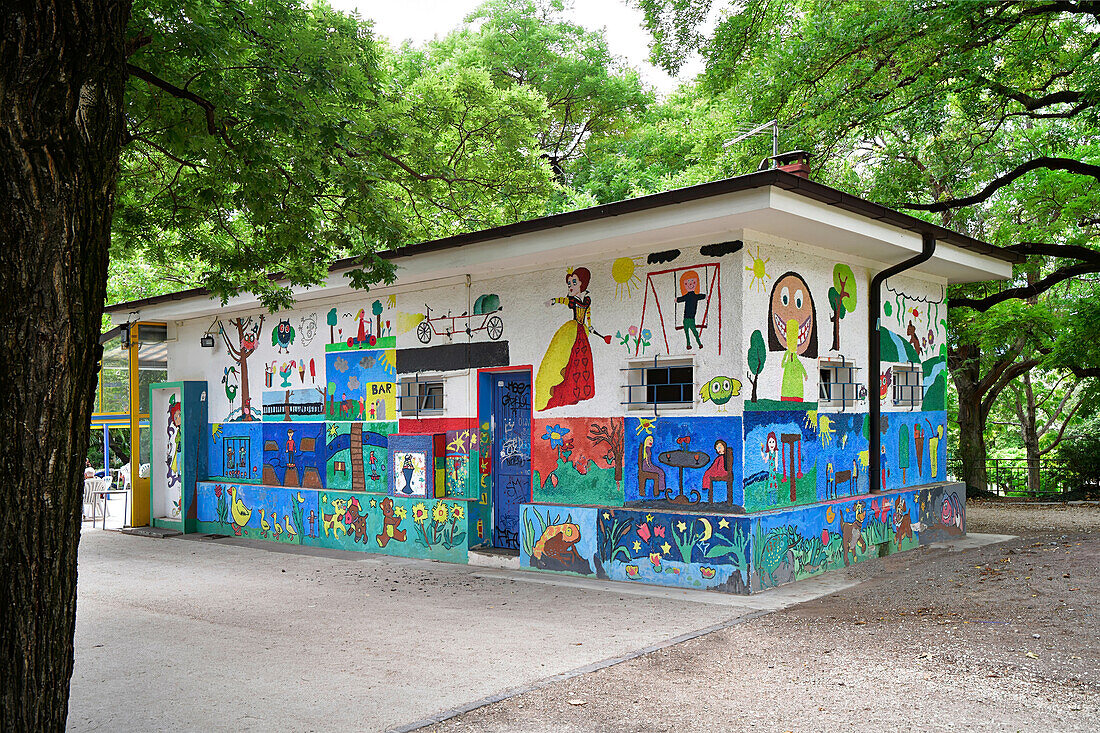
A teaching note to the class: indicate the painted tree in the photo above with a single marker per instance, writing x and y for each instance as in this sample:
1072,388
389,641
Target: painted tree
903,450
331,319
842,298
248,333
758,354
613,438
376,309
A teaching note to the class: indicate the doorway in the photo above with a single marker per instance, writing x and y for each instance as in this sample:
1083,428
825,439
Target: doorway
511,458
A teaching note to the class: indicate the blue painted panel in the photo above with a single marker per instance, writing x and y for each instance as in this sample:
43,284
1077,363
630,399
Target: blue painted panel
294,454
715,484
560,538
235,451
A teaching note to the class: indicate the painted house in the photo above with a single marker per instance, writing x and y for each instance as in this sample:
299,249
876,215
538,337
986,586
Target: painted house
698,388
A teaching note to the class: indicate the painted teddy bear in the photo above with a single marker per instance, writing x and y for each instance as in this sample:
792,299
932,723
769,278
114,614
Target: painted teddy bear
390,524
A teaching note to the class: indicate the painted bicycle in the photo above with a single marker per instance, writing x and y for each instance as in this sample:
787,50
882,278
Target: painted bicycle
486,307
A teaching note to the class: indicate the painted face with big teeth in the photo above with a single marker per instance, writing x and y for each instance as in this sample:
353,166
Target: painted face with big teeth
791,311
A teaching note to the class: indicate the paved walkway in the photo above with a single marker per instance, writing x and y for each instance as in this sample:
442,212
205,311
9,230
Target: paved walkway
228,635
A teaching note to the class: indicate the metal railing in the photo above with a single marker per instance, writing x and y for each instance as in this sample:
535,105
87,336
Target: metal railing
1012,476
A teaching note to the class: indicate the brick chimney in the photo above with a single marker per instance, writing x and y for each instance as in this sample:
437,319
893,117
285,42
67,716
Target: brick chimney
796,162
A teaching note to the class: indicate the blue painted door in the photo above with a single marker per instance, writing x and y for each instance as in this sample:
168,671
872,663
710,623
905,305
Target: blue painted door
511,454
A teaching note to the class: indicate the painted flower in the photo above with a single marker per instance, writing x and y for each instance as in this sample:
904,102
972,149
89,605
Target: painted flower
632,571
556,435
218,491
458,512
633,330
655,558
825,538
659,530
707,573
420,513
647,335
643,532
400,512
439,512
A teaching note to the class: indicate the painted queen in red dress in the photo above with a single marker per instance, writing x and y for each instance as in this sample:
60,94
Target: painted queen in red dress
565,374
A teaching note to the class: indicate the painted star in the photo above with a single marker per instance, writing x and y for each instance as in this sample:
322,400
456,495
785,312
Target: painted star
649,517
637,545
373,503
666,547
724,524
681,526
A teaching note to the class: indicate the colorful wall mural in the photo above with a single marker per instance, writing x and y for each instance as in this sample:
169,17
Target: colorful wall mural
307,419
693,462
578,460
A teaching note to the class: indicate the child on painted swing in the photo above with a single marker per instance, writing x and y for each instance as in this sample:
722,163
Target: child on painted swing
690,297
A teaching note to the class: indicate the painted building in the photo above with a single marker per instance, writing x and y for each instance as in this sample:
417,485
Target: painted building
676,389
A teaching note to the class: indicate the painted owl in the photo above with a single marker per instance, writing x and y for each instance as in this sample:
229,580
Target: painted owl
282,337
720,390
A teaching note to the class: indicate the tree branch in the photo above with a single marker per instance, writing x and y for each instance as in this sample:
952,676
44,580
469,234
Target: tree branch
1044,162
206,105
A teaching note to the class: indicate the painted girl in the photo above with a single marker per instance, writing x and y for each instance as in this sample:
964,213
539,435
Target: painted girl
690,297
565,374
769,453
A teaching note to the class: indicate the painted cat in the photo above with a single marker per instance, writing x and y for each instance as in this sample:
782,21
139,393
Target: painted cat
852,534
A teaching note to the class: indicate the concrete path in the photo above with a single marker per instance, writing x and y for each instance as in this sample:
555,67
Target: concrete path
188,634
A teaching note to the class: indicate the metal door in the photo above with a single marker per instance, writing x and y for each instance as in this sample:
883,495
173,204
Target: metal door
511,454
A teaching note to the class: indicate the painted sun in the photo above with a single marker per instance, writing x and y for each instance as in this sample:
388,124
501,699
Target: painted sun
760,274
624,273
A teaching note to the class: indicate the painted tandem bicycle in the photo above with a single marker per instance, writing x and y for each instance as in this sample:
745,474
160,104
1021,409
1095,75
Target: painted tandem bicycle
486,308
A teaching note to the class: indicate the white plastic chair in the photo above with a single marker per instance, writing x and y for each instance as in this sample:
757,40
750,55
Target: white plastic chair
91,485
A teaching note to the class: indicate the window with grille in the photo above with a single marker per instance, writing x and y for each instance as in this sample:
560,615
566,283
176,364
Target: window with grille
837,384
420,396
653,383
908,391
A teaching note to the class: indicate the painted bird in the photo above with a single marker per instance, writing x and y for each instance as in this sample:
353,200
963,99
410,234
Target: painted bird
282,336
277,530
720,390
230,387
264,525
291,533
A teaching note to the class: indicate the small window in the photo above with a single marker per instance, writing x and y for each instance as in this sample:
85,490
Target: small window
653,383
420,396
837,385
908,391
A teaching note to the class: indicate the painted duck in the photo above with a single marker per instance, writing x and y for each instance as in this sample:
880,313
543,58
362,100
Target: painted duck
264,525
278,529
241,513
291,533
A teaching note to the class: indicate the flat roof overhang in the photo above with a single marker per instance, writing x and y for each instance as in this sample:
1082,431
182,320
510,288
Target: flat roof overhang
772,202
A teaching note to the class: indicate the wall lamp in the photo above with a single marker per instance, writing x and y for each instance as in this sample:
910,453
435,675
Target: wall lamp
207,340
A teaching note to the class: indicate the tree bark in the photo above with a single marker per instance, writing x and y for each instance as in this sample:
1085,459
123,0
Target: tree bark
62,71
965,371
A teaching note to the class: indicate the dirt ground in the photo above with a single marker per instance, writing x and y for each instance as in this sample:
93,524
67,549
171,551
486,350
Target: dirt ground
1001,637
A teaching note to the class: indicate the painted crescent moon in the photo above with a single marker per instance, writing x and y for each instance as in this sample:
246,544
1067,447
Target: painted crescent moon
707,532
829,515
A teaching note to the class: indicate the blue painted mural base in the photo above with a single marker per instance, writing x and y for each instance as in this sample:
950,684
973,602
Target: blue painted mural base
736,553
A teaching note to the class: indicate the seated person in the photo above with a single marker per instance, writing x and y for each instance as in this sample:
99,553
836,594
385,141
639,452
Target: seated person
720,470
89,472
648,470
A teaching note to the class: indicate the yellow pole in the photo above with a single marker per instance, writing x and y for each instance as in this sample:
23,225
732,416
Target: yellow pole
139,504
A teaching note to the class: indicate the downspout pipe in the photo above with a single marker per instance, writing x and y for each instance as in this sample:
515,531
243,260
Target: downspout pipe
928,248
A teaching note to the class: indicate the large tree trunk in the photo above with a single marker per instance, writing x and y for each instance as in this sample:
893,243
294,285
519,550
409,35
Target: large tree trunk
61,84
965,371
1026,411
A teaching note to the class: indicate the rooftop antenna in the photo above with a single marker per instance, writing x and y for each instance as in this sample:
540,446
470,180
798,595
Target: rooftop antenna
773,124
